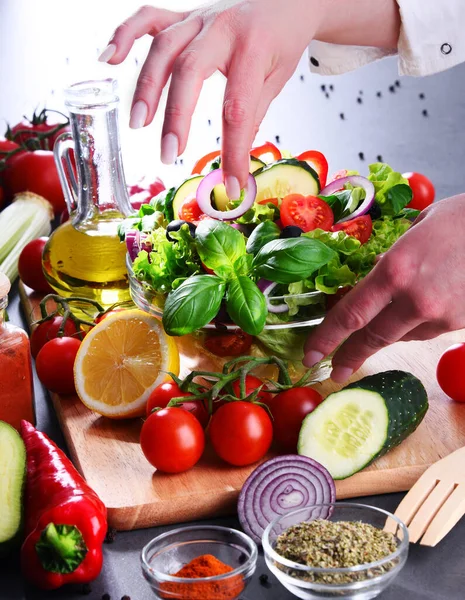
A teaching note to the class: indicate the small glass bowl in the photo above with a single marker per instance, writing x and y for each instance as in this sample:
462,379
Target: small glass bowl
364,581
297,329
169,552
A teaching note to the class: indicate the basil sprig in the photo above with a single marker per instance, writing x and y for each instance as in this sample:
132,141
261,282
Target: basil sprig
291,259
222,248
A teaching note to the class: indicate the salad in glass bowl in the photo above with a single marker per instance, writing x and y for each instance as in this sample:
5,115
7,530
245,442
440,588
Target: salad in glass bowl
263,270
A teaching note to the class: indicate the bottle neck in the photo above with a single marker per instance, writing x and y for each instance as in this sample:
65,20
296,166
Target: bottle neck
100,175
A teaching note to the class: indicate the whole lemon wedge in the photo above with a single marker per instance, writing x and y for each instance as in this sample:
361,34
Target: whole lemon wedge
120,362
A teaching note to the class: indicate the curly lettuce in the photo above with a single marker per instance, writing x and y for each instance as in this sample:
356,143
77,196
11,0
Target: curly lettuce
392,190
169,263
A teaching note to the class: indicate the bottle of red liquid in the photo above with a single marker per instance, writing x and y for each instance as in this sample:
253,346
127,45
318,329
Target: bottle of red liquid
16,384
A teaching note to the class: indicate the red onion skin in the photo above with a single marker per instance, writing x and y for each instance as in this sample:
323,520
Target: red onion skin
357,181
279,485
205,188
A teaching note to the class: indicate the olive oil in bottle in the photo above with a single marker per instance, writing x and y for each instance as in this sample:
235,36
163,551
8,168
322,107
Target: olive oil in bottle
84,256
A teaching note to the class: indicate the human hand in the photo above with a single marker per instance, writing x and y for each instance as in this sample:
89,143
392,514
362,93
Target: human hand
256,44
415,292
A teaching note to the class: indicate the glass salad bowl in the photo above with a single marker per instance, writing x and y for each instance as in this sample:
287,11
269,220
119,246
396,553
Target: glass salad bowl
282,338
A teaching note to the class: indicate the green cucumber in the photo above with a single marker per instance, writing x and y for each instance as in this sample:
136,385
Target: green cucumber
184,191
363,421
219,198
284,177
12,480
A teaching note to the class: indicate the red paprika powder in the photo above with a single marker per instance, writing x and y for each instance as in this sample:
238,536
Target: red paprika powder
200,567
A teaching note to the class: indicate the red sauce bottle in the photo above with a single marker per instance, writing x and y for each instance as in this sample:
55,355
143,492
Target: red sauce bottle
16,384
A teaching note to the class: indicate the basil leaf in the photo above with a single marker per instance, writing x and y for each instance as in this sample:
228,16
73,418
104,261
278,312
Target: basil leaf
193,304
243,264
397,198
261,235
225,272
163,202
408,213
246,305
292,259
218,244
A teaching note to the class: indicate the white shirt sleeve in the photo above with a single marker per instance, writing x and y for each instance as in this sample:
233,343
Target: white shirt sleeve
431,40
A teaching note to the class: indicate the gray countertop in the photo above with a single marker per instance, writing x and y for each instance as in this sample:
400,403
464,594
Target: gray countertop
393,126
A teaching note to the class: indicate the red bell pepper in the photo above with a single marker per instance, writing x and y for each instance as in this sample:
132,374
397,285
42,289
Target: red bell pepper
203,162
65,520
267,148
318,162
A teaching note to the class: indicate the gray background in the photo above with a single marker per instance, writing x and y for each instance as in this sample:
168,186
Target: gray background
41,53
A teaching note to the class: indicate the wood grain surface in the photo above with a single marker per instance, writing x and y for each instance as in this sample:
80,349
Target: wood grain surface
108,455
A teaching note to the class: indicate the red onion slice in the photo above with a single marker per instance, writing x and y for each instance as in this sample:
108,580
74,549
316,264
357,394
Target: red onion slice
356,181
280,485
132,243
267,289
205,189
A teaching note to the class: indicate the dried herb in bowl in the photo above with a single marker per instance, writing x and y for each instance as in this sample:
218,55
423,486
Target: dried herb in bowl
330,545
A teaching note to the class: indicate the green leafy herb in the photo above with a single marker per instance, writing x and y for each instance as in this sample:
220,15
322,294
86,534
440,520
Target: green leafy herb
219,244
246,305
261,235
291,259
344,202
193,304
243,264
408,213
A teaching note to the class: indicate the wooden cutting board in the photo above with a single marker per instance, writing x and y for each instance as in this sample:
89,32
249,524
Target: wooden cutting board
108,455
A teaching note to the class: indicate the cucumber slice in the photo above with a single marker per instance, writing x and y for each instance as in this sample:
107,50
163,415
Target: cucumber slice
219,198
284,177
186,189
12,480
360,423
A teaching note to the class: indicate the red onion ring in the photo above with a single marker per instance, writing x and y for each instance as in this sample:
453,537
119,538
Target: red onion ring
267,287
356,181
205,189
280,485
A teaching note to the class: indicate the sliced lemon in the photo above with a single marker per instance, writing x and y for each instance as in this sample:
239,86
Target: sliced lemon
120,362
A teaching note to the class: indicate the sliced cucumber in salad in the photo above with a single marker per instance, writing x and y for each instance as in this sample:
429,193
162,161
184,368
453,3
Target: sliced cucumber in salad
284,177
187,189
360,423
219,198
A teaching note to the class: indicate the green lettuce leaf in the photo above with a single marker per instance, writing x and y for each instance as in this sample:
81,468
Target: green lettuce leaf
392,190
258,213
170,262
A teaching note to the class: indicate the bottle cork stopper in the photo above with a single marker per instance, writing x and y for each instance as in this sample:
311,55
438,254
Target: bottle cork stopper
5,285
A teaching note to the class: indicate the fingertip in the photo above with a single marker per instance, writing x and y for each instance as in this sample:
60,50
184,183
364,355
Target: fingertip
312,357
341,374
138,116
108,53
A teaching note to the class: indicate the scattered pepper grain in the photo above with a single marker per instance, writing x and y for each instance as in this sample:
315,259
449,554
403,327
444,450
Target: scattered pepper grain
331,87
323,87
106,597
111,535
342,116
379,94
392,89
379,158
264,580
421,96
278,139
425,112
361,156
359,100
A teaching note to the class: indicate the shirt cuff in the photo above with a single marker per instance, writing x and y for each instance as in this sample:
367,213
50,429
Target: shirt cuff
335,59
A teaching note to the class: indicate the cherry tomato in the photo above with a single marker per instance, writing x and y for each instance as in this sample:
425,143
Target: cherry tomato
450,372
190,211
35,172
39,125
289,408
360,228
423,190
203,162
234,343
48,330
30,266
266,148
55,363
251,384
163,393
307,212
172,440
318,162
7,146
241,432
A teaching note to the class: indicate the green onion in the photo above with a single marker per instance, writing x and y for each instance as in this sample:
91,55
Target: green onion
25,219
